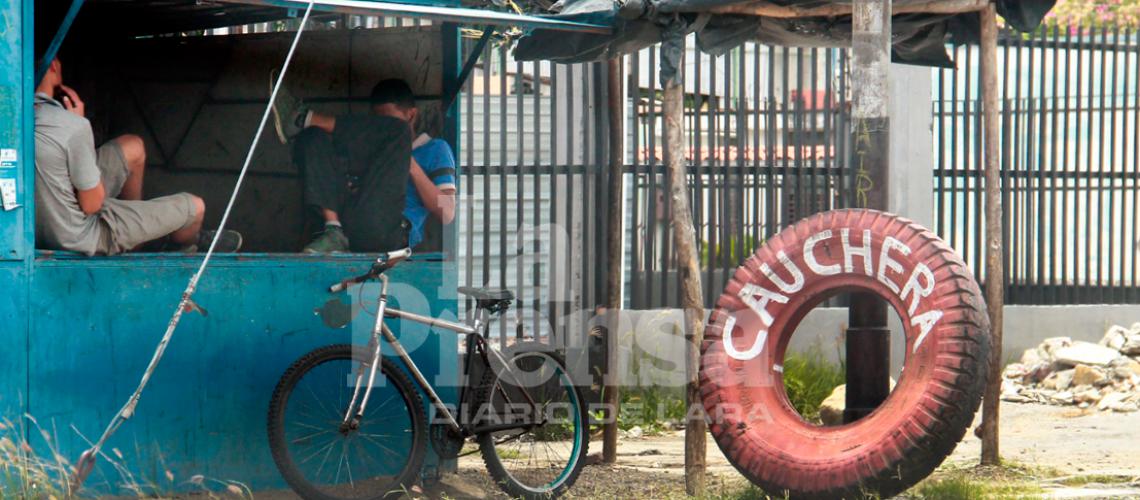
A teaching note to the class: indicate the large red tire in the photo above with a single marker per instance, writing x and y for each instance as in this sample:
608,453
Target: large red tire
912,432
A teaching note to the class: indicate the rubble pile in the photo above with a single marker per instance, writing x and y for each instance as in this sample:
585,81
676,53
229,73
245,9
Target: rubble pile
1060,371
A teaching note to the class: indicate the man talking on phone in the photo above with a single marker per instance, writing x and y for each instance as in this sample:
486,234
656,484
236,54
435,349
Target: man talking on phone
90,200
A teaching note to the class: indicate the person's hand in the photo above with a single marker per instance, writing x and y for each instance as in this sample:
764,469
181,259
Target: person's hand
72,102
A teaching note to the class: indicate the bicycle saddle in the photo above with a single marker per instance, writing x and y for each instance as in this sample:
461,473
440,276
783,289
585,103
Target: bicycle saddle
489,294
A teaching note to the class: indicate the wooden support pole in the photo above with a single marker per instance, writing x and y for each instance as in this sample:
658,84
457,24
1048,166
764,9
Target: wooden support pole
610,397
769,9
868,339
692,301
995,223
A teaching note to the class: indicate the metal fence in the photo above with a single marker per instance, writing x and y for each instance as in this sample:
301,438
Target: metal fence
530,217
1070,144
768,129
767,132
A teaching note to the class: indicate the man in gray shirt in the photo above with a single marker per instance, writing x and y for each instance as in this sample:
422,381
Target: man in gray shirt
89,200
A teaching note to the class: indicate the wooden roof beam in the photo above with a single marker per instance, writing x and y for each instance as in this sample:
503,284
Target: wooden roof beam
766,8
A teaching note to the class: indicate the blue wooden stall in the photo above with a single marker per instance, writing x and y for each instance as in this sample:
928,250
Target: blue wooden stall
77,332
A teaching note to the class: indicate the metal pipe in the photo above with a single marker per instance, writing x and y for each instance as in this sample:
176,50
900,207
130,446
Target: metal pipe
453,14
392,312
57,40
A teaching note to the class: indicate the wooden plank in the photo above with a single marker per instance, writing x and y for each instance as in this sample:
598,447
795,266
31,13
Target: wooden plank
768,9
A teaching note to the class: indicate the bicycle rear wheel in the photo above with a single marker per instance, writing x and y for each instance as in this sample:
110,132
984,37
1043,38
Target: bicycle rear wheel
544,455
320,456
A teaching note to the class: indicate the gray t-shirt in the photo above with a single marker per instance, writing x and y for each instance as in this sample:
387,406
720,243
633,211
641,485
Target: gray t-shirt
65,162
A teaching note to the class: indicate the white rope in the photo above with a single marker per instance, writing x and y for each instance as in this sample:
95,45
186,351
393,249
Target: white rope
86,460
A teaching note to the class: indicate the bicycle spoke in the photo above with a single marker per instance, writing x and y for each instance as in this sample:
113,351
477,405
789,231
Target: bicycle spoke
310,436
381,446
355,462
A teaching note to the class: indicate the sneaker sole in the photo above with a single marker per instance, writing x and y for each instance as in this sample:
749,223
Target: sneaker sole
318,252
277,126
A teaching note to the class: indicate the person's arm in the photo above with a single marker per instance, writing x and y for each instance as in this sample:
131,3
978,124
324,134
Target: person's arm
440,202
91,200
84,172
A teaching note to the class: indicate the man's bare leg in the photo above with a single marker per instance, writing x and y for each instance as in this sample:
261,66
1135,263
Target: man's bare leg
321,121
189,234
134,152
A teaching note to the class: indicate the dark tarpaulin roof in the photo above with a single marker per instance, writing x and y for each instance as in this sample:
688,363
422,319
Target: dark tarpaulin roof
918,38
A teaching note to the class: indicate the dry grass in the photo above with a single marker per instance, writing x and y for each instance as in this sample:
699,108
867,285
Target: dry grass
40,471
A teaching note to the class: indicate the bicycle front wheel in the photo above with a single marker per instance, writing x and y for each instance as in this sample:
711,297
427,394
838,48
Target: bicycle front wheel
324,458
540,437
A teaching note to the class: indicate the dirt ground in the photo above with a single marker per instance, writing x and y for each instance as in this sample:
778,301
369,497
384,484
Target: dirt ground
1066,442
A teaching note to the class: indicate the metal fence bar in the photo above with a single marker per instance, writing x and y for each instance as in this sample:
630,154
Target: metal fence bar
768,133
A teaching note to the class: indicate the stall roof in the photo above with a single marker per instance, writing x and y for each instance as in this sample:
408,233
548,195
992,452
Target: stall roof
922,28
141,18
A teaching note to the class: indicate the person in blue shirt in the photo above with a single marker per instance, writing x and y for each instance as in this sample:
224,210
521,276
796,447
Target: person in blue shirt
353,166
437,162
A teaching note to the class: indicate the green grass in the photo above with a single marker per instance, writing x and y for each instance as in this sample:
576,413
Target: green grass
809,377
1009,481
964,487
1105,479
509,454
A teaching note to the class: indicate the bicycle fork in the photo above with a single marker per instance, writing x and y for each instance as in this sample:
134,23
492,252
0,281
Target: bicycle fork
353,418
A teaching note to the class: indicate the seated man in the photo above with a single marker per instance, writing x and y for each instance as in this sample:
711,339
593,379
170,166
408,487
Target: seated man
358,168
90,200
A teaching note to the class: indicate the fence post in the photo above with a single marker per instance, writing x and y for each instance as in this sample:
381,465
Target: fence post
868,339
995,267
616,103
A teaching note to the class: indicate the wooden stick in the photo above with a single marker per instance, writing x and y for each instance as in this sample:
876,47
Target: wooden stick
611,401
765,8
692,301
995,267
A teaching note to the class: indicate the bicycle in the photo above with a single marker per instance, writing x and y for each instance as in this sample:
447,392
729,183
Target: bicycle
525,413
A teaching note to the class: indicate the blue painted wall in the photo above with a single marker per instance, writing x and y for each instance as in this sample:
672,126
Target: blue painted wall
78,332
95,323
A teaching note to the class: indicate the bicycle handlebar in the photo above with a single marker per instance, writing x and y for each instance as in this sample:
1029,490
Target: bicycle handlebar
383,263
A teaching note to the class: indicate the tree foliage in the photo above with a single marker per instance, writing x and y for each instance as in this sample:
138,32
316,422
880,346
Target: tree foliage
1095,13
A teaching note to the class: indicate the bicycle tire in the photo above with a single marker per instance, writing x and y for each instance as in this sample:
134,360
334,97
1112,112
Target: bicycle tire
278,408
580,435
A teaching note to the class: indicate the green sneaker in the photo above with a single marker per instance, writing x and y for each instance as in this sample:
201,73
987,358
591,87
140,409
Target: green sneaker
331,240
288,111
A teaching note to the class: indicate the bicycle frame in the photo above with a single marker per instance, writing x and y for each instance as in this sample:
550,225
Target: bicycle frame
379,329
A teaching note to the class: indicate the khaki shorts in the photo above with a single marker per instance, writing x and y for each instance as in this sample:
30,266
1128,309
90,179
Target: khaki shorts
113,167
130,223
